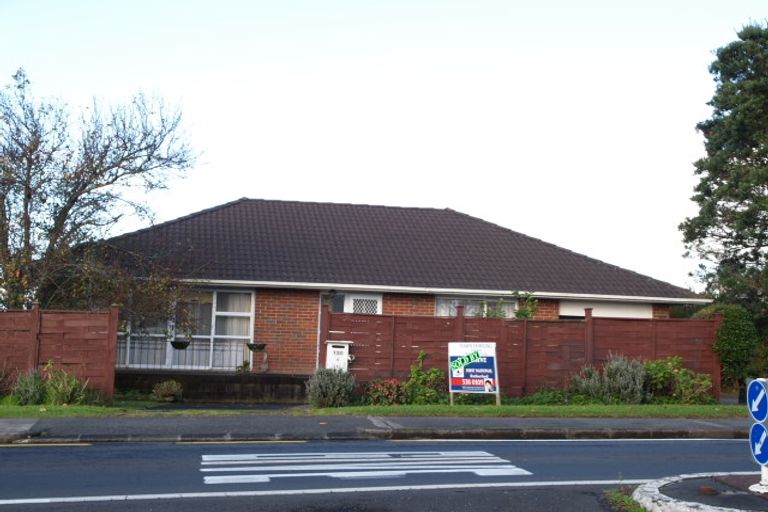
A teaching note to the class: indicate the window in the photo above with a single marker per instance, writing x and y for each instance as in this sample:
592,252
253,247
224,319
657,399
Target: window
362,303
475,306
215,325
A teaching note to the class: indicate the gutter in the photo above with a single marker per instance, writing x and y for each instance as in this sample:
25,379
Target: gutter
442,291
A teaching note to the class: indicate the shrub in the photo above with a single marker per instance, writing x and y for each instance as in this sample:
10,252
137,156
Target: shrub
624,380
621,381
737,340
385,392
29,388
330,388
426,386
692,387
660,375
167,390
63,388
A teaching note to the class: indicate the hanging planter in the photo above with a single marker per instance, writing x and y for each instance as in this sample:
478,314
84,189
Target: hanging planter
180,344
256,347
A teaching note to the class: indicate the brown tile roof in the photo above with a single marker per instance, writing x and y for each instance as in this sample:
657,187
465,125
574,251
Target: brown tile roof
285,241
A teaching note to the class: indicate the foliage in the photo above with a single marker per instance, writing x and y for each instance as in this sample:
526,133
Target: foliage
621,381
385,392
29,389
167,390
330,388
527,305
63,184
692,387
7,380
737,340
620,500
660,375
63,388
730,230
425,386
493,310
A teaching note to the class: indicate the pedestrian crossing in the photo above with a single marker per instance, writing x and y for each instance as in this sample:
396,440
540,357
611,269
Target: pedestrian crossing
264,468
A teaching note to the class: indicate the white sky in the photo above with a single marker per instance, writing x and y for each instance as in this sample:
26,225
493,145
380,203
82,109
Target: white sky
573,122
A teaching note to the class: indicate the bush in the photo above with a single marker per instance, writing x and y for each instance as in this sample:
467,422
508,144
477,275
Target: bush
426,387
385,392
621,381
29,388
167,390
63,388
330,388
660,375
692,387
736,343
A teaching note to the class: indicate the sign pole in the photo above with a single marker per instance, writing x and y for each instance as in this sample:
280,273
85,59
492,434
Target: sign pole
757,404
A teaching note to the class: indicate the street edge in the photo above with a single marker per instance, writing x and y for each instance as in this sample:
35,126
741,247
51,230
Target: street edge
649,494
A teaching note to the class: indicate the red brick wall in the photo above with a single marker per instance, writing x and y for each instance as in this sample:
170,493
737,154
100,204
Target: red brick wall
287,321
660,311
411,305
547,310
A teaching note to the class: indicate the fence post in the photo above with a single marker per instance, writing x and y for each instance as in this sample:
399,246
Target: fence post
589,337
36,328
525,357
114,321
392,355
325,320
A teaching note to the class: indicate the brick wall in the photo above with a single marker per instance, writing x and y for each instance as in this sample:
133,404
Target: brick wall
287,321
547,310
661,311
411,305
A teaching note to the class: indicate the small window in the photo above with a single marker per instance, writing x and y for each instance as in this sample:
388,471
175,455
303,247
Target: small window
474,306
360,303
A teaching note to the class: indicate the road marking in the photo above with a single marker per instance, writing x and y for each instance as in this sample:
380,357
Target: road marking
263,468
245,494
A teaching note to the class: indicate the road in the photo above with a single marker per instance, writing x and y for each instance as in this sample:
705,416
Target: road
375,476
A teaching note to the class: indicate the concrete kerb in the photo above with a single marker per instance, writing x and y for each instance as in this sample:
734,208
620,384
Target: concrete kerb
649,495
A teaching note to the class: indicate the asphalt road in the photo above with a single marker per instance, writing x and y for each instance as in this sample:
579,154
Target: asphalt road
370,476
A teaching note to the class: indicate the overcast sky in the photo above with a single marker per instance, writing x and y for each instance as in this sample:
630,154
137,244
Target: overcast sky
572,122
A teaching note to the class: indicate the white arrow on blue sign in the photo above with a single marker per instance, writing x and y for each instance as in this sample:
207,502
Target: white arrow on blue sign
757,401
758,443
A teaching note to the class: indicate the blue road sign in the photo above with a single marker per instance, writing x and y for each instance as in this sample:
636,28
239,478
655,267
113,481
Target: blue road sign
758,443
757,401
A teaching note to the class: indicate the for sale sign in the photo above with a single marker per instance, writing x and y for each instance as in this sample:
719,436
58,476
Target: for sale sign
473,367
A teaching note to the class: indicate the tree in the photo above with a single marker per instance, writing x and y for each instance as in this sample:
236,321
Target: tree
64,184
736,343
730,231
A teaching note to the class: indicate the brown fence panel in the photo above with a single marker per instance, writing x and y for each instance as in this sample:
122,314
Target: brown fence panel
83,343
531,354
556,350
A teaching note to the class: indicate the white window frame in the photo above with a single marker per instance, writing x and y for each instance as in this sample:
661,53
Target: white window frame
210,336
349,299
485,302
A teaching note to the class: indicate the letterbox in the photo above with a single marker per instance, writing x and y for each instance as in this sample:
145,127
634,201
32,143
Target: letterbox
337,355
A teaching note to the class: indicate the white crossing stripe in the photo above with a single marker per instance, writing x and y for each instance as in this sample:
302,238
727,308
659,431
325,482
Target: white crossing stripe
262,468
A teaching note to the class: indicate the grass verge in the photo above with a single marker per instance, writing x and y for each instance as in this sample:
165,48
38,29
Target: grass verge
620,500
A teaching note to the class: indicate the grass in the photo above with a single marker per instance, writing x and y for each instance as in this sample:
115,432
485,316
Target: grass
620,500
144,407
547,411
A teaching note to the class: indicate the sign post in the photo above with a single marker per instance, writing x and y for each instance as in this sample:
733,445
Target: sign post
757,403
472,369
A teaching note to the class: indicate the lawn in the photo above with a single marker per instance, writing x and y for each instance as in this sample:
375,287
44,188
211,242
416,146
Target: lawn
151,408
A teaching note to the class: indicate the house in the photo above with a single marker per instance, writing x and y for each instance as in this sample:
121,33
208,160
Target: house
262,269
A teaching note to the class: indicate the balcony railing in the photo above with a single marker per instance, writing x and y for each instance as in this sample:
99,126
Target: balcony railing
202,353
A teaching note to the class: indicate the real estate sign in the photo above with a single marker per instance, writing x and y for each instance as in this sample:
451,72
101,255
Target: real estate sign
472,368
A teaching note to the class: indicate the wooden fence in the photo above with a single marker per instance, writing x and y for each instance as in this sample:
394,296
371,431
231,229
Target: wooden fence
531,354
83,343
